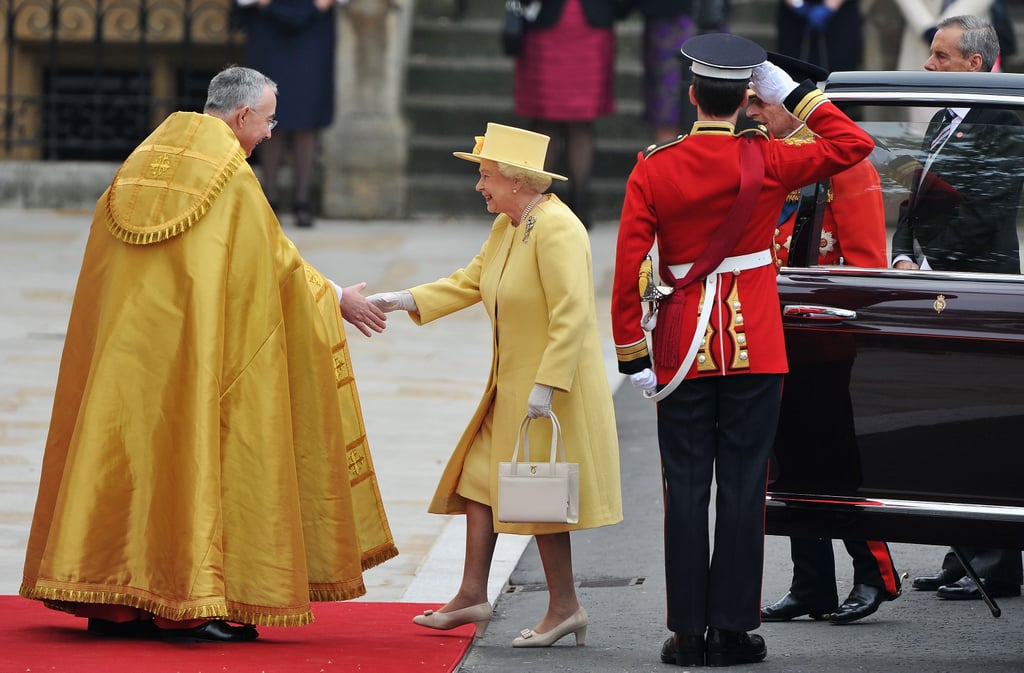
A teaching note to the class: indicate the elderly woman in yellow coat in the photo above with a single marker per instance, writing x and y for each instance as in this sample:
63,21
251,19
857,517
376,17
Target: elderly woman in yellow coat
534,276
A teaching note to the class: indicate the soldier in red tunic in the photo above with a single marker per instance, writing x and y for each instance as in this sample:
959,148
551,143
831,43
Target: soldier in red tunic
853,226
711,200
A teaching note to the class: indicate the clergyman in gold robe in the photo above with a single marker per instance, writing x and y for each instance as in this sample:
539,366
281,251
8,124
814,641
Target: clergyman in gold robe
206,469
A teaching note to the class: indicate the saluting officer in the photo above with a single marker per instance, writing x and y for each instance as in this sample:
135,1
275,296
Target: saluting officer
711,200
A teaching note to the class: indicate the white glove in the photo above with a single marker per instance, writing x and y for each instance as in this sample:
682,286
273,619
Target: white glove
393,301
771,83
645,380
539,403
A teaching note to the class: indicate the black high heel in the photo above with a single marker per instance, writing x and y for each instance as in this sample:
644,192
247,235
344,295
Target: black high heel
303,215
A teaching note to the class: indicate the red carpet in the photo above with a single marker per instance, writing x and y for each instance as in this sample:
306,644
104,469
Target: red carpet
364,637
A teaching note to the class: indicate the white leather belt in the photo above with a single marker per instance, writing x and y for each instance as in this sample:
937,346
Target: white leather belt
730,264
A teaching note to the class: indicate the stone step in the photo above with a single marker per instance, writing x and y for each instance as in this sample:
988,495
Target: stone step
461,115
613,158
470,9
453,75
741,10
458,80
475,39
479,38
443,196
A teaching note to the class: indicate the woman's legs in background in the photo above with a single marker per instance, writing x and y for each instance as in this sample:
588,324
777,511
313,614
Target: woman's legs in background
572,144
303,146
271,154
580,153
304,152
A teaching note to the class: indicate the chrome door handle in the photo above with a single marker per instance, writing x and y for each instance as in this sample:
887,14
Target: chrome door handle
828,313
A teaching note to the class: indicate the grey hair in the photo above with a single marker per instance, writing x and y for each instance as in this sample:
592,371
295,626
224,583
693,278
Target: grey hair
979,37
538,182
235,87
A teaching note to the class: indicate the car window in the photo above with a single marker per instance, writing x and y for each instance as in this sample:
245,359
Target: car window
944,196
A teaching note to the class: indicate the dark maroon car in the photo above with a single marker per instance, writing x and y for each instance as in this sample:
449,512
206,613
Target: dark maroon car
903,415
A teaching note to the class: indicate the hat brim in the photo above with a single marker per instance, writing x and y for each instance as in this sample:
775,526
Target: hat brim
798,69
475,158
718,72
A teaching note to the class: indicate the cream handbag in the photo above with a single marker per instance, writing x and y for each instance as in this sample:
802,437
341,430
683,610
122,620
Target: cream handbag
539,492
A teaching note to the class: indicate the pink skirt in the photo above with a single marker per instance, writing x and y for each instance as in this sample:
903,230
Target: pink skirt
566,72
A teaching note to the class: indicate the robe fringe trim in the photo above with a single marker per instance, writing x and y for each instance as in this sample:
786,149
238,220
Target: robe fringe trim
374,557
65,600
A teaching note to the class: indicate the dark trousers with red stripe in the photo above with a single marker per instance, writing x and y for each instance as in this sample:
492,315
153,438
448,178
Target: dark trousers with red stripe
814,570
721,427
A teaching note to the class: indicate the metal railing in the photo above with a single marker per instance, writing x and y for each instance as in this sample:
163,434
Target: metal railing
89,79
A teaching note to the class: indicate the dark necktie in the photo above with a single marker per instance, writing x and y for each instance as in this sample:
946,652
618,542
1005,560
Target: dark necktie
945,128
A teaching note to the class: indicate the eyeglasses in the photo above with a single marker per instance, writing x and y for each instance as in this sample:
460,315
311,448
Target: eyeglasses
271,122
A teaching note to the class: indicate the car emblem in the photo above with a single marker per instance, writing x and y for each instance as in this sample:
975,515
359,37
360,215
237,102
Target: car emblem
940,303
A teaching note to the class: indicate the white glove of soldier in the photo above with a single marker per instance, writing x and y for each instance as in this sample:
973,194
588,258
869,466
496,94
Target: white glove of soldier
393,301
771,83
645,380
539,402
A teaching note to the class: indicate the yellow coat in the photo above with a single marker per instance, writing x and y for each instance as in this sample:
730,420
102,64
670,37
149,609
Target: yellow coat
539,294
206,455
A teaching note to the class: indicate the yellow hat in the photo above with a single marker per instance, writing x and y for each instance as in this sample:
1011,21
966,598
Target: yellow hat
515,147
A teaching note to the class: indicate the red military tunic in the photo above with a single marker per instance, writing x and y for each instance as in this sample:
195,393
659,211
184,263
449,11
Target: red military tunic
853,225
680,193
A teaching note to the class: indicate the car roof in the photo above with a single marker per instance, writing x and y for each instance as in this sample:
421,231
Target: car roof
913,86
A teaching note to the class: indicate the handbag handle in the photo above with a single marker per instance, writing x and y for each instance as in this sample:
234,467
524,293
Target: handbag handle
523,438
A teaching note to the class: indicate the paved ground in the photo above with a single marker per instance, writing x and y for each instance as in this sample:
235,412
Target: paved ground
419,386
621,584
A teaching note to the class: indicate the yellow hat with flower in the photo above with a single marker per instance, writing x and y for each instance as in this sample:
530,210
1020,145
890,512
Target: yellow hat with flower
512,146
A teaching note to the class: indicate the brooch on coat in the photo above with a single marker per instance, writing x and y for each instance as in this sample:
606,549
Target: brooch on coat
530,221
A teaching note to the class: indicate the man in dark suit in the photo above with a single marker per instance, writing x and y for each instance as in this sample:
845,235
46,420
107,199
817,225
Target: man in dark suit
961,216
962,210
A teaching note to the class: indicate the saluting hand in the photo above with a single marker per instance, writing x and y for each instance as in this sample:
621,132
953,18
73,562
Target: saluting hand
771,83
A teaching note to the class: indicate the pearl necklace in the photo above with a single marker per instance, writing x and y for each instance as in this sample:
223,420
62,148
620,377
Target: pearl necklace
529,206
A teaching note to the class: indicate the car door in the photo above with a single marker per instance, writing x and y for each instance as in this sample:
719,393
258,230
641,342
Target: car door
903,412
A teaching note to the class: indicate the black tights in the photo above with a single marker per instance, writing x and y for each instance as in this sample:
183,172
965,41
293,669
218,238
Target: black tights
572,144
303,146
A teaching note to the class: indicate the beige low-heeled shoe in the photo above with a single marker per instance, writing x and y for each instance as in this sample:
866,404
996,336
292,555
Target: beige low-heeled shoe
576,623
479,615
